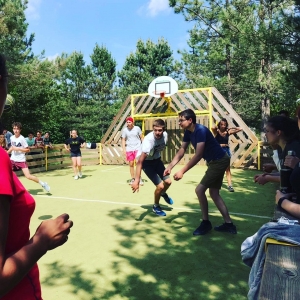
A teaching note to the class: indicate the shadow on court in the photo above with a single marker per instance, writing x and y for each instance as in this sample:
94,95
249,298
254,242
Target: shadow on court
119,249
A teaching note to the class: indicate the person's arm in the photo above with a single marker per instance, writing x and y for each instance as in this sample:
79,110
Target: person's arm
176,158
267,177
49,235
214,130
13,148
141,137
67,147
194,160
233,130
138,170
124,145
290,207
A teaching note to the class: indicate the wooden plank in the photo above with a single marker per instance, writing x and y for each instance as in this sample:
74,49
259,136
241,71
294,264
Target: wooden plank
281,273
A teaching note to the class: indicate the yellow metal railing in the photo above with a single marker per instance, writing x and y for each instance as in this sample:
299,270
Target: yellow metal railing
169,113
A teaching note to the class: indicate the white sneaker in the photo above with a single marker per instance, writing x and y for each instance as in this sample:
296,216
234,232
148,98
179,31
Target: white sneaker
76,177
141,182
79,174
131,181
46,187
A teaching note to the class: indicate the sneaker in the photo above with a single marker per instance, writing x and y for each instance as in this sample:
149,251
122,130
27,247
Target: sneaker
131,181
167,198
157,210
46,187
204,228
230,188
76,177
79,174
226,228
141,182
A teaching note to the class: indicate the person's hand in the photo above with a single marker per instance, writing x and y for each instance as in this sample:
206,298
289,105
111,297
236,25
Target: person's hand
54,232
291,161
261,179
280,194
178,175
135,186
268,168
167,171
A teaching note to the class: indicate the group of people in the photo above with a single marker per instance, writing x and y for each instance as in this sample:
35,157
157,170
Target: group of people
214,149
19,275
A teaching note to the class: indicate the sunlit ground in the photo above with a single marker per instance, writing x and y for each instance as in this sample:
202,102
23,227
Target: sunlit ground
118,249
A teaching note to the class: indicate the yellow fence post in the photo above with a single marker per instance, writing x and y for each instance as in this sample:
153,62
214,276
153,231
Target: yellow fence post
258,155
46,158
100,153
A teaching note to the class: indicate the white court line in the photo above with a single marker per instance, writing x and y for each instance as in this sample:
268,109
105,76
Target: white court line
111,169
138,204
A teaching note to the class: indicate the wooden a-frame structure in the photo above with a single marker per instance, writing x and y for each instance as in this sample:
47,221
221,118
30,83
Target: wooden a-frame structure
209,105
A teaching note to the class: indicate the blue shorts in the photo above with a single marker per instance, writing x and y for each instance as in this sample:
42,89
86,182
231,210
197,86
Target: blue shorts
227,150
154,169
75,154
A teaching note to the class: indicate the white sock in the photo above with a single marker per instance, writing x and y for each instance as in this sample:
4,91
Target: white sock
41,182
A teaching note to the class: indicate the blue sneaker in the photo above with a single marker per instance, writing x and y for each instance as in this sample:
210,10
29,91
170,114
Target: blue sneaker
167,198
157,210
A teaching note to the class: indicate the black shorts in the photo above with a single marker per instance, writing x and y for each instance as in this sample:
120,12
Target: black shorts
75,154
154,169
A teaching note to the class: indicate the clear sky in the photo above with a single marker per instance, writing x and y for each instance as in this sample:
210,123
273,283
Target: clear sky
77,25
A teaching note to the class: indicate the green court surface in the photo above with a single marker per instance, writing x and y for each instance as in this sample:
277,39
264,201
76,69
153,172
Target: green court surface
118,249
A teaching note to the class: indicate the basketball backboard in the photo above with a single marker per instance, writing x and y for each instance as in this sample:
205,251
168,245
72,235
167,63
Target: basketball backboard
163,86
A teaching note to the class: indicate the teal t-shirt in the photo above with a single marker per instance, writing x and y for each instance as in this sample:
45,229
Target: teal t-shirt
30,142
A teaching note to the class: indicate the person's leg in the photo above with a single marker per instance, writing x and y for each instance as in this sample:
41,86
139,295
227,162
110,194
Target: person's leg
200,192
29,176
131,168
220,204
228,176
74,165
158,191
35,179
149,168
78,162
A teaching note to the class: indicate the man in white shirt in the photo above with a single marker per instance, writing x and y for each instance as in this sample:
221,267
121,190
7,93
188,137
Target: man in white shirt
149,160
18,149
131,143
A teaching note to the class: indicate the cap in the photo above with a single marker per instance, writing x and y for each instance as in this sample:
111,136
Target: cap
130,119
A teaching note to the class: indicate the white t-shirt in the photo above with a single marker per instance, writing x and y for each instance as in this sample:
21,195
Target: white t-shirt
152,146
132,137
19,142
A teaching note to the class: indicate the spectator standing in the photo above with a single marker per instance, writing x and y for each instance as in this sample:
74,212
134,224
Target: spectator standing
3,143
30,140
8,135
39,142
47,140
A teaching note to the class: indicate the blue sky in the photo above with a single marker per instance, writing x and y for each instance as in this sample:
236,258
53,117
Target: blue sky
77,25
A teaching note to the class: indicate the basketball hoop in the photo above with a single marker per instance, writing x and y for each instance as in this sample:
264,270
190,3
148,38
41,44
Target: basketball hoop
161,93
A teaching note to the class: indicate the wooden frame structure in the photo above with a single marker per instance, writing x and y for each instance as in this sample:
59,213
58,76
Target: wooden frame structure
209,105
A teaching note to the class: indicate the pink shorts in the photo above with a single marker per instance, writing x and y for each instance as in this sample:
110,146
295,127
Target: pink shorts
131,155
18,165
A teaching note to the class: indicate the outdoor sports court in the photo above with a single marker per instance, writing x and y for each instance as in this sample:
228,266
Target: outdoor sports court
118,249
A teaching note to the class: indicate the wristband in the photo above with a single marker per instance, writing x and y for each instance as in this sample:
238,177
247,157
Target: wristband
280,201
